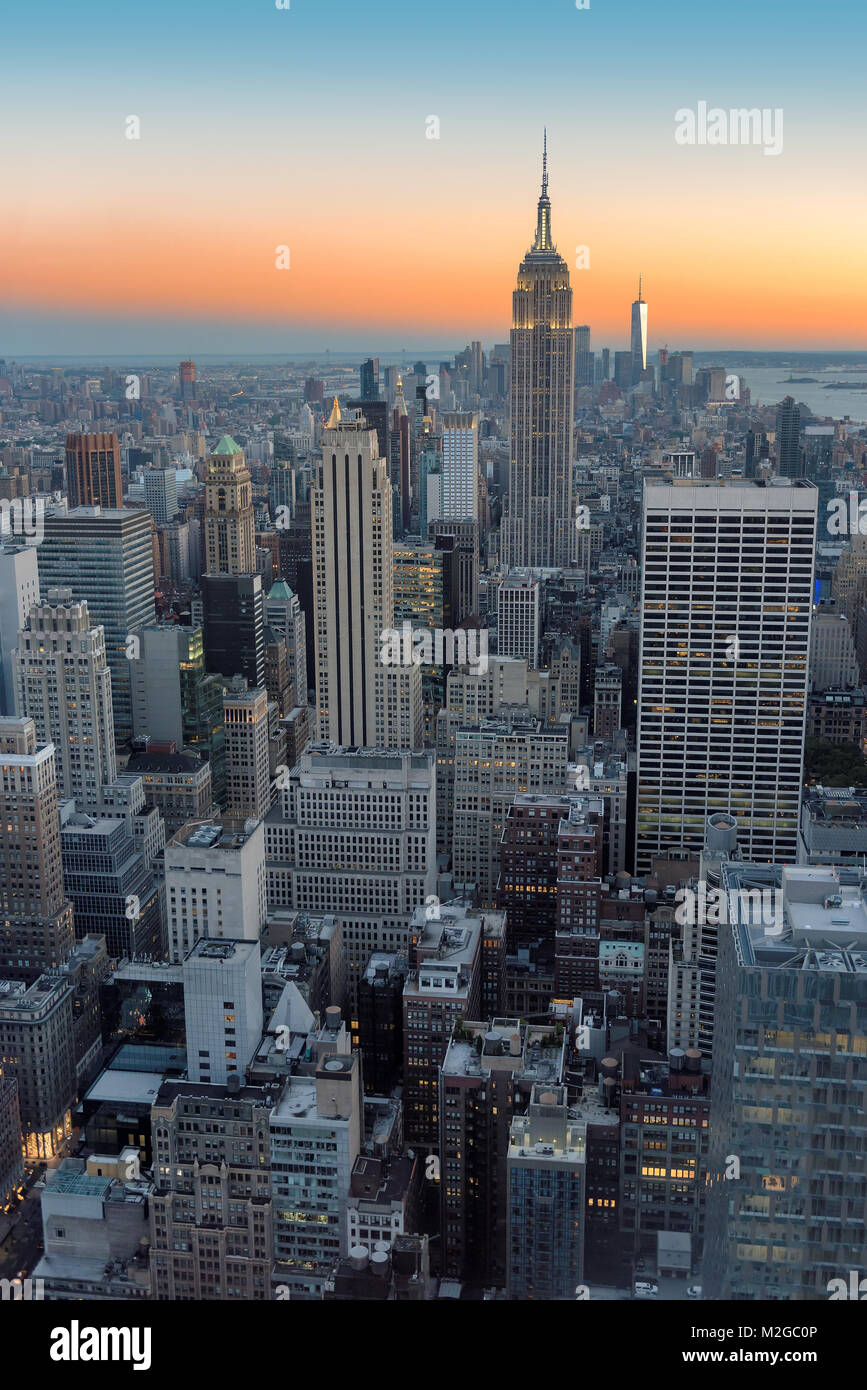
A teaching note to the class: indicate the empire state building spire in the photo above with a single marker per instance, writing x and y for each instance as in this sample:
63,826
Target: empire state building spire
538,529
543,240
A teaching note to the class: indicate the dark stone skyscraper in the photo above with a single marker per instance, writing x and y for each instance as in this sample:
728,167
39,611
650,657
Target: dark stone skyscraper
790,463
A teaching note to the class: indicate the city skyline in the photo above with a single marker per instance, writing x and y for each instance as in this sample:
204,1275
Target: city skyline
433,794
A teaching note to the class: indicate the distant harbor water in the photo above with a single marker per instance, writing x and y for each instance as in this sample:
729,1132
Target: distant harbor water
768,386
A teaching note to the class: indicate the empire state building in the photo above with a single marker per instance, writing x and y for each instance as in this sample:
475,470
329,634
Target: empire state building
538,525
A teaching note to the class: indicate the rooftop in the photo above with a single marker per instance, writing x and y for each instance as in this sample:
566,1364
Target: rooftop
798,918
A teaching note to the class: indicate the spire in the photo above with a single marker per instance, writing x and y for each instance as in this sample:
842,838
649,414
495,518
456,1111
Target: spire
639,288
334,418
543,241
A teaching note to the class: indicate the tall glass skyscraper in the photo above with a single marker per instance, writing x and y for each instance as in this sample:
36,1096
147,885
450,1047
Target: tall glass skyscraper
638,336
788,1161
538,525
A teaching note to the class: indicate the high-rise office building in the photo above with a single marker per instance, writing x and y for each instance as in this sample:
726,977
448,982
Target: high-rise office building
519,618
37,1050
607,700
36,928
790,457
283,614
222,1008
546,1170
187,378
93,471
175,701
380,1022
316,1131
19,591
230,535
107,559
459,497
355,836
361,701
487,1077
111,885
369,373
215,884
789,1071
623,370
638,336
442,988
212,1214
161,494
538,524
757,448
399,462
665,1110
351,506
233,608
727,576
464,536
505,754
179,559
584,359
248,784
64,685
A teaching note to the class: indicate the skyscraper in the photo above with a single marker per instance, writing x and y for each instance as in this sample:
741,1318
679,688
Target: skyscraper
112,888
369,372
400,446
161,494
234,626
37,1044
726,601
211,1235
248,786
356,837
459,498
584,361
230,534
546,1165
360,701
107,558
64,686
283,614
36,930
790,460
215,884
638,336
353,582
519,610
19,590
93,470
789,1071
187,375
222,1008
538,525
